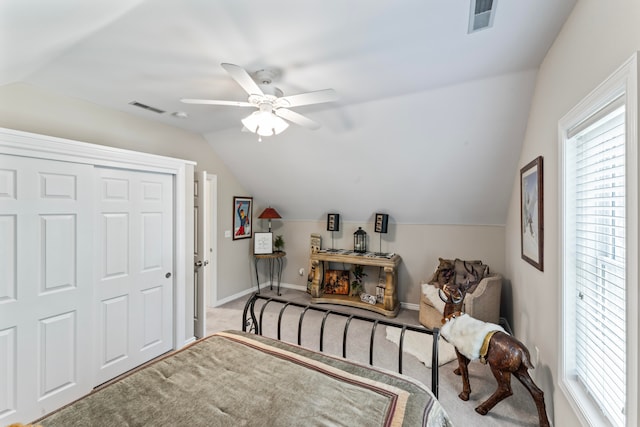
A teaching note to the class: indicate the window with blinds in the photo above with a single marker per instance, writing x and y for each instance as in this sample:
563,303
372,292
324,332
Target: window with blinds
595,236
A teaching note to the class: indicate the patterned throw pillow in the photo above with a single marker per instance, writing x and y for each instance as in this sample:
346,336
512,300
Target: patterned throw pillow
444,273
460,271
474,271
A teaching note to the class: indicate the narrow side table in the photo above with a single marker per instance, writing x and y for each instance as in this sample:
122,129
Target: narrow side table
275,262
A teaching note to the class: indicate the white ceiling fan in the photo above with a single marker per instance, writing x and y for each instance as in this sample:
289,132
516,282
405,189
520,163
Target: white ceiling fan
272,106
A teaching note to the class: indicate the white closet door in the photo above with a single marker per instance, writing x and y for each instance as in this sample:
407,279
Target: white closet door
134,283
45,285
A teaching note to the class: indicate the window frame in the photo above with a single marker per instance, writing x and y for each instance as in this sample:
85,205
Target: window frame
623,81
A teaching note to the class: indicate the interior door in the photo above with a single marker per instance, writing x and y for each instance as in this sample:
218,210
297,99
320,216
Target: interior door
201,251
45,285
134,253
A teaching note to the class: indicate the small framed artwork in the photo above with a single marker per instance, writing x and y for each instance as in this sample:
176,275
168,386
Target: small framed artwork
381,223
532,213
333,222
262,243
336,282
242,219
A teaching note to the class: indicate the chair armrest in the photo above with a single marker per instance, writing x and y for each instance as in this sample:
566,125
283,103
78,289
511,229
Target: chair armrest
431,307
484,303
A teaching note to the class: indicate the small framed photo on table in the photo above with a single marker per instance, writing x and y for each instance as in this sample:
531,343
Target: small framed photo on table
262,243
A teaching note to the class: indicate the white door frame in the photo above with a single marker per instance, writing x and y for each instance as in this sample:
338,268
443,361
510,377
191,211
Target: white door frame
212,271
47,147
201,253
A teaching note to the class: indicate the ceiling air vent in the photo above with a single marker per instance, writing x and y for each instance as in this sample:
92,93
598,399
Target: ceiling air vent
147,107
481,16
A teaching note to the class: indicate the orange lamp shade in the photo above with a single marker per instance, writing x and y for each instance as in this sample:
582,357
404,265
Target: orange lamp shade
269,213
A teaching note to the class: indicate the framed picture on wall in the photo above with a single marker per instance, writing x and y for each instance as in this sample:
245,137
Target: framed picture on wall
532,213
242,219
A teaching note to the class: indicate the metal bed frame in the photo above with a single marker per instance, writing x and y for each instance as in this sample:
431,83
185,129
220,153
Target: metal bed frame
254,324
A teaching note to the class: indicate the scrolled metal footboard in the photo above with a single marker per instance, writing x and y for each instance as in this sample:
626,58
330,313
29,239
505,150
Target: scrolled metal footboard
254,323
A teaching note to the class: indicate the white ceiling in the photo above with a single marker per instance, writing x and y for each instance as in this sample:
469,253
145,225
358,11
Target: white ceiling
429,122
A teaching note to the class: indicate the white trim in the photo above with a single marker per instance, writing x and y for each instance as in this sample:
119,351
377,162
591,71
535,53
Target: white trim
180,251
189,341
288,286
624,80
633,216
252,290
410,306
27,144
213,229
234,297
406,305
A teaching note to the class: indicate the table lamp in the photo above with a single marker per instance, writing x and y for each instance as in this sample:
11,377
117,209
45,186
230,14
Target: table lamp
269,213
333,224
380,226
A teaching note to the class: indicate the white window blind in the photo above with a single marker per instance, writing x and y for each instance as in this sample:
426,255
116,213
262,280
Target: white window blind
595,233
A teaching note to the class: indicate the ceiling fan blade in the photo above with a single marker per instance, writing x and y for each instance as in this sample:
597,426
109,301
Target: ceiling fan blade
243,78
317,97
296,118
214,102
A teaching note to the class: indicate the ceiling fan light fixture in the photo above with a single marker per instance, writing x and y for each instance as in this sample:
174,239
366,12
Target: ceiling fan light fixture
265,123
272,105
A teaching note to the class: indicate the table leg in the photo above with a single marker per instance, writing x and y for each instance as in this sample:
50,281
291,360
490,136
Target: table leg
316,280
279,273
271,273
255,265
390,292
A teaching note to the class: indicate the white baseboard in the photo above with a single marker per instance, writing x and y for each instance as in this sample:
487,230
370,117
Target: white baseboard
252,290
233,297
406,305
188,341
410,306
290,286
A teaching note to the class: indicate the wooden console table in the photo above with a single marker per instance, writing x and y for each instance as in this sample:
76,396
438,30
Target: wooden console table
389,306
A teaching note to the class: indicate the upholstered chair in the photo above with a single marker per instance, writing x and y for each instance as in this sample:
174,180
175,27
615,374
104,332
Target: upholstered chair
482,303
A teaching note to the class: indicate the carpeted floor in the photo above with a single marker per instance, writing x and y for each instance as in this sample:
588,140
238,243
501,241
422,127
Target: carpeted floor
517,410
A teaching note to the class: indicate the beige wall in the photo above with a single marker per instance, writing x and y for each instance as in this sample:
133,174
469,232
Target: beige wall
597,38
26,108
418,245
31,109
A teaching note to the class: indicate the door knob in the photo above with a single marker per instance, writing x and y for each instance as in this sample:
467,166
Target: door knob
167,275
199,264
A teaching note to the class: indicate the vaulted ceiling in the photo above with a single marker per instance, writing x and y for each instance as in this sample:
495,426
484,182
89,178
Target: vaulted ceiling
428,124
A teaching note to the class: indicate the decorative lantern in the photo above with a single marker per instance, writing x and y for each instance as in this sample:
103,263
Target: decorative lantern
360,240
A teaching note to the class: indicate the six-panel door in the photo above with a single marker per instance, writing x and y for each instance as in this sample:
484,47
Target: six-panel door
134,264
46,280
86,286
